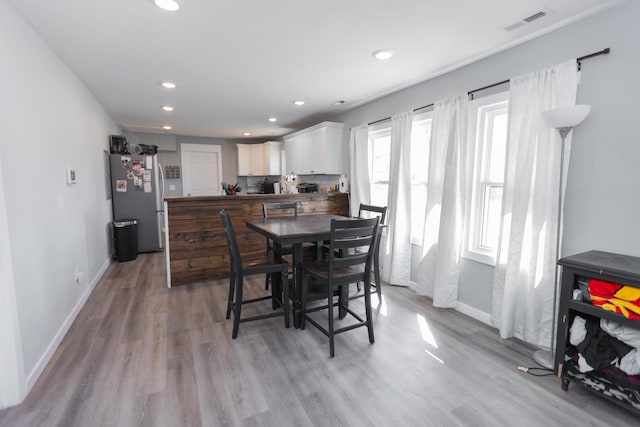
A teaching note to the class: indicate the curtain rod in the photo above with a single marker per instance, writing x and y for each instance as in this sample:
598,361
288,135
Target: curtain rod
471,92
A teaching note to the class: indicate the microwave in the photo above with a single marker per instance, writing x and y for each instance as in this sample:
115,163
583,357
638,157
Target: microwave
307,188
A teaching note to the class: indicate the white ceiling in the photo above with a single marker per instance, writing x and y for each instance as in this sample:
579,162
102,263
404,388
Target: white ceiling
238,62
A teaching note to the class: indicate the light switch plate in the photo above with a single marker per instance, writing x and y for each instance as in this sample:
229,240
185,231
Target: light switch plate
71,176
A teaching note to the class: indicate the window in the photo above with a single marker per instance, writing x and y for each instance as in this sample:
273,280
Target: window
380,144
488,141
380,148
420,137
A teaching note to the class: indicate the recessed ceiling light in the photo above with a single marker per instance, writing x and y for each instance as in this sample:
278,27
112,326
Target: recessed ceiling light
168,85
247,133
167,108
166,127
298,102
273,119
169,5
383,54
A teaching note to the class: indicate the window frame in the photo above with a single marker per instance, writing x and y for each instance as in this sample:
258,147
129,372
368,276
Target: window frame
479,182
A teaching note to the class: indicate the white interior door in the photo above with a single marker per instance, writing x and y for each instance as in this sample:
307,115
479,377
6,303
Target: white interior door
201,169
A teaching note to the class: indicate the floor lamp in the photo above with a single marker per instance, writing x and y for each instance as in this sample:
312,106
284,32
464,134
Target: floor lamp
563,119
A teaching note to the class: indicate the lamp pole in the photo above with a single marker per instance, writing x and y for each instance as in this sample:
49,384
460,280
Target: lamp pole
545,358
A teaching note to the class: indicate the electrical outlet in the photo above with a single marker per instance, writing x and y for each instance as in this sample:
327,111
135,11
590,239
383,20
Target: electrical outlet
172,187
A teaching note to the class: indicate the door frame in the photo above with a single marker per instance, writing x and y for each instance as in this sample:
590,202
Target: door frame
209,148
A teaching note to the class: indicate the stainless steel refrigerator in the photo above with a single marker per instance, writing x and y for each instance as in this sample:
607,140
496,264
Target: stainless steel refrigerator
137,188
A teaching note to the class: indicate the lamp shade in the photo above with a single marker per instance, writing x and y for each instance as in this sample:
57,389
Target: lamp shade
566,117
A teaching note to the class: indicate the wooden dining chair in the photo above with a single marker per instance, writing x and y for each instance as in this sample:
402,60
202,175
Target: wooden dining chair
281,209
336,273
240,268
369,211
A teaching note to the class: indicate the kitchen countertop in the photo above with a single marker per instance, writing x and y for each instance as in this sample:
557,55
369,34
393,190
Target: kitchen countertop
246,196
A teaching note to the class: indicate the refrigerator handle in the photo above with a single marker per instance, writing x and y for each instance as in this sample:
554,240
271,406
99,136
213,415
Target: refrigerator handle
161,187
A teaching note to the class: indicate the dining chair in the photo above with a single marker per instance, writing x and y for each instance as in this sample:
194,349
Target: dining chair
369,211
242,267
281,209
335,274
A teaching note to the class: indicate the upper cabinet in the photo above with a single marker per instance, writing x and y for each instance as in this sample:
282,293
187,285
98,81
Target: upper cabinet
259,159
315,150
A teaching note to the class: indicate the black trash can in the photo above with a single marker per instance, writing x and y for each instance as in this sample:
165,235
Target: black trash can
125,237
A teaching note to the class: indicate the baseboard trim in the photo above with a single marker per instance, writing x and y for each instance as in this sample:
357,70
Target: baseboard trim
53,346
474,313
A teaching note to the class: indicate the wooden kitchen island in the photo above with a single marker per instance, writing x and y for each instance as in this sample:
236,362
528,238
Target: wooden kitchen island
196,246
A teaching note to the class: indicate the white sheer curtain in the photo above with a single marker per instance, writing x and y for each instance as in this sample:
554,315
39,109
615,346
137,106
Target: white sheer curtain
396,259
524,280
444,218
359,168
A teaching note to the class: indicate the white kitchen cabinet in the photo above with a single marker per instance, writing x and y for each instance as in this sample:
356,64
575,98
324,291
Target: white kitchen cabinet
315,150
259,159
272,157
244,159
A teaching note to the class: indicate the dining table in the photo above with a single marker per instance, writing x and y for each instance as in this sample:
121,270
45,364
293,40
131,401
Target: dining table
295,231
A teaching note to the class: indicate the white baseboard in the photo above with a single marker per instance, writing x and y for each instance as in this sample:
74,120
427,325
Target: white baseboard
474,313
53,346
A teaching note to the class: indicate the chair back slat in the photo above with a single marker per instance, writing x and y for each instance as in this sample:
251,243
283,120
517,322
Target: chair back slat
234,250
369,211
352,234
279,209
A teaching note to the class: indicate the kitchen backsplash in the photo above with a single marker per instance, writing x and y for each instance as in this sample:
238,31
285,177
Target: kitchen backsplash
323,181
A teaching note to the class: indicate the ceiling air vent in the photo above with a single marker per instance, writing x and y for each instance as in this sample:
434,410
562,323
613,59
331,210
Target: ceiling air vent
529,19
535,16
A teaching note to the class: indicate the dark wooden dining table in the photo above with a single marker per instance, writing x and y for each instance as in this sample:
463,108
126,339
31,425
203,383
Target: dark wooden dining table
295,230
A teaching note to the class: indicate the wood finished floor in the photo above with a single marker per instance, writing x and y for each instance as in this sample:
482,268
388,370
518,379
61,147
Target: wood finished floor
140,354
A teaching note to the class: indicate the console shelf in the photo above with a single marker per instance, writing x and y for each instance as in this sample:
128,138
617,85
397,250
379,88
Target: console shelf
610,267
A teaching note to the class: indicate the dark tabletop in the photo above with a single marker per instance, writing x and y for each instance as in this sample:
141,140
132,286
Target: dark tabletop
290,230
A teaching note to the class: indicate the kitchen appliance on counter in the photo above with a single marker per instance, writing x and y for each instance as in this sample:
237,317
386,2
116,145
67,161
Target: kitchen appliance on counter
270,187
308,188
137,194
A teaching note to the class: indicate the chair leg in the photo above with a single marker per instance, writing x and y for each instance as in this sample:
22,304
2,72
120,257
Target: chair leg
330,315
267,280
285,296
232,280
376,272
367,307
303,302
238,309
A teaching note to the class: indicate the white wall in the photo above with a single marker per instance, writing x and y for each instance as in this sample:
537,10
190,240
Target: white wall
50,121
602,201
12,375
